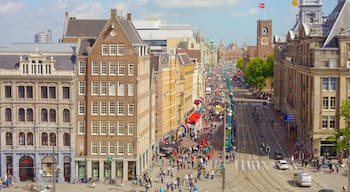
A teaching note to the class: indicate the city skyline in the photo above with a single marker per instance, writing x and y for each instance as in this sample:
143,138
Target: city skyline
223,21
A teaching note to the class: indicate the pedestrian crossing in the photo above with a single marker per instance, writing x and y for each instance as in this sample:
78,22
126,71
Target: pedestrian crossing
246,165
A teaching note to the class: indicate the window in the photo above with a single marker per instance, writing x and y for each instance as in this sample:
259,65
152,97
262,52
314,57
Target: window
130,109
103,150
30,138
130,128
94,68
103,68
103,128
130,89
325,102
111,108
8,91
66,115
66,94
131,69
52,92
8,114
53,139
121,108
82,88
332,122
21,114
112,68
8,138
44,139
325,84
121,69
81,107
121,89
81,129
111,88
130,148
94,88
333,103
20,91
66,139
44,115
22,138
94,146
94,128
333,84
29,91
52,115
113,50
105,50
103,88
112,128
120,147
43,92
112,147
94,108
82,67
121,127
120,50
30,115
324,121
103,108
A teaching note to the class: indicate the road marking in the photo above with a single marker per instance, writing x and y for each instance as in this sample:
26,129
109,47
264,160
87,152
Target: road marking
257,164
265,165
242,164
248,164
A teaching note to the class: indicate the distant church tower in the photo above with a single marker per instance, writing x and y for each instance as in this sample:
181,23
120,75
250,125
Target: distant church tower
264,39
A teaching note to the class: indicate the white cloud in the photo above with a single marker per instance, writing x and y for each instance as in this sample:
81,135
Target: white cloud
86,10
122,7
251,11
194,3
10,7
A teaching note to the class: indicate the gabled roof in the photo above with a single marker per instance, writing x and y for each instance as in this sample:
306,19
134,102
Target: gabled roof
192,53
184,59
337,22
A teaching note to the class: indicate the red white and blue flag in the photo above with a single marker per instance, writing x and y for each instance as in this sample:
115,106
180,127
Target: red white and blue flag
262,5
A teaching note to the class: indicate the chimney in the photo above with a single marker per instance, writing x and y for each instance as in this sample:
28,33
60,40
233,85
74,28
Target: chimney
128,16
113,13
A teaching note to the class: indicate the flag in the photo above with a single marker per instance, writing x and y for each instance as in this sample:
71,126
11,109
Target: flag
261,5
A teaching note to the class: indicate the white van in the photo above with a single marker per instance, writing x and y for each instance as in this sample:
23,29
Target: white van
302,179
208,90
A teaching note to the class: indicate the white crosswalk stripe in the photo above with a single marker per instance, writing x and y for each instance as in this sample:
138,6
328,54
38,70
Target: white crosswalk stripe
250,164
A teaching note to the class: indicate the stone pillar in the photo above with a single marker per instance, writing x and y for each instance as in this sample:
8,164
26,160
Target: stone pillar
38,168
125,170
15,164
3,164
113,173
101,170
88,168
59,164
73,168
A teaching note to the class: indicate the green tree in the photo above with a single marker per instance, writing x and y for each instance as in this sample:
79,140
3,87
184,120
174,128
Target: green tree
254,73
342,135
239,63
268,67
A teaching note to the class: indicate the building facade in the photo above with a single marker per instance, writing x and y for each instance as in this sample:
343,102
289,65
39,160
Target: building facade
37,94
114,133
312,75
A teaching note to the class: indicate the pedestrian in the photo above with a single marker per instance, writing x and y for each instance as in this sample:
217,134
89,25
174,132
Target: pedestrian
337,169
161,178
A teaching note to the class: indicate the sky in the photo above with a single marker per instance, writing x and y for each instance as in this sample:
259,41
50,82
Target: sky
223,21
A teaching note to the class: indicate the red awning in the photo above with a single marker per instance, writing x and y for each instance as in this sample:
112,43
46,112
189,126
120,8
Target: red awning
193,118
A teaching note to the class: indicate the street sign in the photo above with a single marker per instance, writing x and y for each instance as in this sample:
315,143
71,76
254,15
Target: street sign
289,118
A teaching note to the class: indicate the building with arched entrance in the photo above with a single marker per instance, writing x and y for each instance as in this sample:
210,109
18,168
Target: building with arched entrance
38,111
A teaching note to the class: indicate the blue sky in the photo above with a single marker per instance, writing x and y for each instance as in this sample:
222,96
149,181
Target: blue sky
221,20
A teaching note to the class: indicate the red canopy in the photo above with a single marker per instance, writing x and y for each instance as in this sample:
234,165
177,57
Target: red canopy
194,117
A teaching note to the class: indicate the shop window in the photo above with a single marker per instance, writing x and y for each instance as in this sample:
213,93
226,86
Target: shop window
47,165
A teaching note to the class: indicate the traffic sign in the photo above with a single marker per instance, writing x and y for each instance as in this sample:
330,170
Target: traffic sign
289,118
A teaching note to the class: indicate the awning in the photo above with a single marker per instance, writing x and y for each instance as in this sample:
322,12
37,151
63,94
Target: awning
193,118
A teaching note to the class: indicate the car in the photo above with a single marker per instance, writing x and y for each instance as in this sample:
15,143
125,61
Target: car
278,155
326,190
282,164
302,179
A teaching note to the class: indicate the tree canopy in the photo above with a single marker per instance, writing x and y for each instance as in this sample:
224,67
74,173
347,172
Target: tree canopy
258,70
239,63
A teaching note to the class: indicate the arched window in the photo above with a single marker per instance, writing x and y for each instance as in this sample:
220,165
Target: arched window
30,140
8,114
8,138
66,115
66,139
44,139
44,115
22,138
29,114
21,115
53,139
52,115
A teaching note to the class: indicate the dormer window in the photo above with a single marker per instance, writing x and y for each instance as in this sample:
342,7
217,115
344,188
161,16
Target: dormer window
35,67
